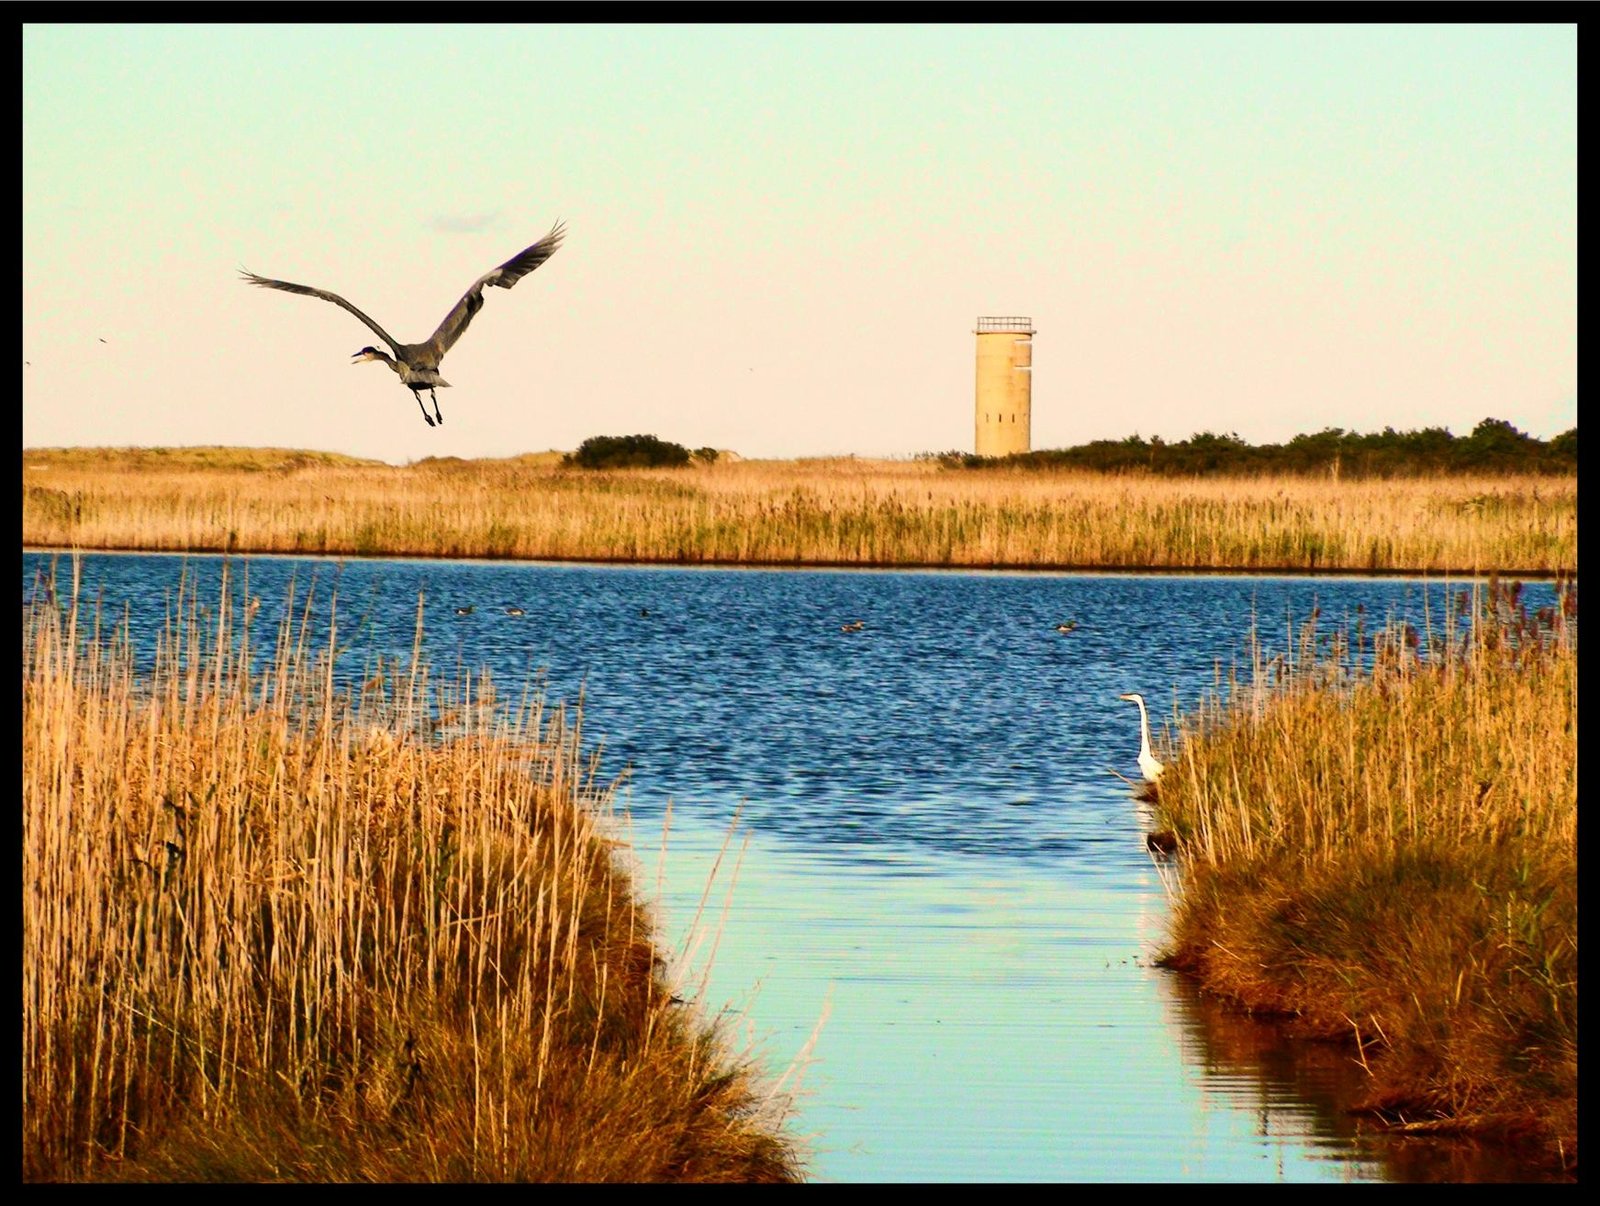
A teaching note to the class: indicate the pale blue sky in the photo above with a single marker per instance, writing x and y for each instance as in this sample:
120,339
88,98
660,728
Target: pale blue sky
779,236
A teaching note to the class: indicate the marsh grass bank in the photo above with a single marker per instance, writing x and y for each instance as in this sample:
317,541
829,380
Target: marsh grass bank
826,512
271,932
1388,855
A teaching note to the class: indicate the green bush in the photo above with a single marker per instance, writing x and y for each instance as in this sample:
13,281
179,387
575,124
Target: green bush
627,452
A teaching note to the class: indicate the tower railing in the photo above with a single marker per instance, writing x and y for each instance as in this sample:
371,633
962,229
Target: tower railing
989,325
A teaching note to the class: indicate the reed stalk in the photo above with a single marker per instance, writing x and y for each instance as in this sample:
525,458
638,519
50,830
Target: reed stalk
834,512
1377,836
277,930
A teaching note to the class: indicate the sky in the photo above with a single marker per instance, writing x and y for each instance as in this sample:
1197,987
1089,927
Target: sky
780,236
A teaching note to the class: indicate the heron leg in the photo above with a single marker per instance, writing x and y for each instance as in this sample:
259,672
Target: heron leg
434,395
418,396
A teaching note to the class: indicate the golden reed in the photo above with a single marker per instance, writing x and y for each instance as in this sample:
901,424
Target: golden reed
834,512
1377,835
274,929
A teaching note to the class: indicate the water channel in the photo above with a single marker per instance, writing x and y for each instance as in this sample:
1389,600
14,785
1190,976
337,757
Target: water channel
926,898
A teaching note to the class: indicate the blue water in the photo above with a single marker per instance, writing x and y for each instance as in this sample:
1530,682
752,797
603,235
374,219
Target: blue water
941,868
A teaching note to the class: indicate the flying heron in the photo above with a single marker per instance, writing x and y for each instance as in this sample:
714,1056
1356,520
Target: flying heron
418,363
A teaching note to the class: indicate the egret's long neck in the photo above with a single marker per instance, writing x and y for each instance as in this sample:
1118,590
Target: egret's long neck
1144,728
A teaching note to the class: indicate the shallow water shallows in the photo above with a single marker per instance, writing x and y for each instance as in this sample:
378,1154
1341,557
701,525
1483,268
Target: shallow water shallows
939,859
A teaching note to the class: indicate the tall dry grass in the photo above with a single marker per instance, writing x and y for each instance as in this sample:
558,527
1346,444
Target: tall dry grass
795,512
1378,835
271,932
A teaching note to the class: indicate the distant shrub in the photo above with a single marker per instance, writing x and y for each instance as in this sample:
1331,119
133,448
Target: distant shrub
627,452
706,455
953,458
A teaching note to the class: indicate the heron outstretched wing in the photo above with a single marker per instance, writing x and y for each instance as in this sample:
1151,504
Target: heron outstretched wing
506,275
290,287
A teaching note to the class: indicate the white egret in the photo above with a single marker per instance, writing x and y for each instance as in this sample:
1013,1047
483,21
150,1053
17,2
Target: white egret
1148,763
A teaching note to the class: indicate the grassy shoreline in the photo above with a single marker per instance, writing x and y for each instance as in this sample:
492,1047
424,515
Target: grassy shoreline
272,932
829,513
1457,572
1388,856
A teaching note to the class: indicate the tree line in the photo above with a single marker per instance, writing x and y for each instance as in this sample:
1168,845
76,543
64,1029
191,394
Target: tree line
1494,446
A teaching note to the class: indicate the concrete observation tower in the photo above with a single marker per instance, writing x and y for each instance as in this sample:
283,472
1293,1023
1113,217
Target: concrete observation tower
1003,415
